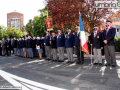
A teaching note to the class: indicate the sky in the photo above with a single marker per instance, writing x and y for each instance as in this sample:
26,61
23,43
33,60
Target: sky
27,7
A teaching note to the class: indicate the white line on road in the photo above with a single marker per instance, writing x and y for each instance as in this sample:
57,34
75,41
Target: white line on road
26,84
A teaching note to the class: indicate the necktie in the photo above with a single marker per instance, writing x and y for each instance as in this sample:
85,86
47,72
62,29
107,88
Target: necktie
107,31
95,34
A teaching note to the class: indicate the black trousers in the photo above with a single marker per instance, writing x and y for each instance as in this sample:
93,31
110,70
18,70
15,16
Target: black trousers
4,50
8,51
80,58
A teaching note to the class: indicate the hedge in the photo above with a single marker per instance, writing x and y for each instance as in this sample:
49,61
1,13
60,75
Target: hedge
117,44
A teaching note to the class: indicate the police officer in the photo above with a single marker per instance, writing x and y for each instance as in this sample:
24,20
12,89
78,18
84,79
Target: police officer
60,45
69,43
54,46
77,46
97,44
26,44
47,45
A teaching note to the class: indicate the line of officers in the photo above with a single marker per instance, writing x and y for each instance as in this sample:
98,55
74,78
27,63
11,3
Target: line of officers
48,45
51,44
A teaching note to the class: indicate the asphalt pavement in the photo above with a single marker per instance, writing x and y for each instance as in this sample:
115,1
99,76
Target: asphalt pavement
35,74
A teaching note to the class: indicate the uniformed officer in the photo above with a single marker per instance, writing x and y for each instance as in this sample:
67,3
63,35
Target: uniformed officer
77,46
54,46
69,43
8,46
60,45
97,44
30,44
15,46
21,47
18,47
35,52
24,46
39,46
47,45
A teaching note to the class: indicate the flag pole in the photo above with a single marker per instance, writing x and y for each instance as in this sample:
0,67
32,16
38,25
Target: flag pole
91,54
80,38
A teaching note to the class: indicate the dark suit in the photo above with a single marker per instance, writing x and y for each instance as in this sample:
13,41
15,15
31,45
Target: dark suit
47,46
54,47
8,47
60,46
4,45
69,43
110,46
78,48
97,43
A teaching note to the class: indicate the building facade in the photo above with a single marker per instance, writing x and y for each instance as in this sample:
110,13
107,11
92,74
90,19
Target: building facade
15,19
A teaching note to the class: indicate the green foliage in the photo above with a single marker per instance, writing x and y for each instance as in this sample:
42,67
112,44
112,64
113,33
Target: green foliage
10,32
117,44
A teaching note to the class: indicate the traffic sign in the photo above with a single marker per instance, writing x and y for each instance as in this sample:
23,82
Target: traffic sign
25,33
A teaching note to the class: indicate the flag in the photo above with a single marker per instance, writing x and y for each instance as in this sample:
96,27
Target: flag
49,24
84,46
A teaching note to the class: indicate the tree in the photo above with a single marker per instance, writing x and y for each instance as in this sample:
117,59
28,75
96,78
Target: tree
65,13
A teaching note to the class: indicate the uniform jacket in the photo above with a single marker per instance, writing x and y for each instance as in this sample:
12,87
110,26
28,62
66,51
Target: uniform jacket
77,40
53,42
61,40
30,43
110,36
69,41
97,40
47,40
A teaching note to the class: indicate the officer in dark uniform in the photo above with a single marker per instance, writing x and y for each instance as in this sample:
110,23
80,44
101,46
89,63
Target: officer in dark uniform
47,45
35,52
97,44
8,46
15,46
77,46
54,46
60,45
26,44
30,46
69,43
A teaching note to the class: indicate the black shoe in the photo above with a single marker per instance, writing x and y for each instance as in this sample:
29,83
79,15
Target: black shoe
31,58
107,65
100,64
78,62
49,59
113,65
71,62
40,58
46,59
95,63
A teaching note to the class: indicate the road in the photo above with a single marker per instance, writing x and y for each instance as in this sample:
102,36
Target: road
35,74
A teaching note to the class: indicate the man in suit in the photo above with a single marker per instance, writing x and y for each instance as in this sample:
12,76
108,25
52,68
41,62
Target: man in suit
69,43
3,45
60,45
30,47
0,47
47,45
54,46
97,44
8,46
109,45
35,52
77,45
15,46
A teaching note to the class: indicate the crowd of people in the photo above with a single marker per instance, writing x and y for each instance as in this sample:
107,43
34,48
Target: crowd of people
52,44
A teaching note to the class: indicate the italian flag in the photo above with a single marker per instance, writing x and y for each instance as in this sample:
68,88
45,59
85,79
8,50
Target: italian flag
84,46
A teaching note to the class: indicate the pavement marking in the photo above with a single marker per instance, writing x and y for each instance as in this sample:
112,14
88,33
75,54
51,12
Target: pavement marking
25,83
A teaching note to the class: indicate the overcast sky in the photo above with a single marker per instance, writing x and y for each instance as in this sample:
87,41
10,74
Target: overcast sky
27,7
